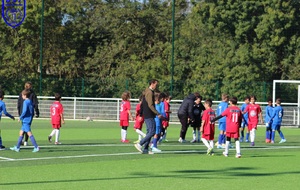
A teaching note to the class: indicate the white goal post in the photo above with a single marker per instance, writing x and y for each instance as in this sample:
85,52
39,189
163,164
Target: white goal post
288,81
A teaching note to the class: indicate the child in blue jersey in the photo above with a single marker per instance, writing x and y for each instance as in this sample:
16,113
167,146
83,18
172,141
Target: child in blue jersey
159,106
245,120
222,122
268,112
3,109
276,119
26,118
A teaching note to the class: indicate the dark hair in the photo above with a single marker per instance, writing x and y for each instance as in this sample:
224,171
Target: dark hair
270,99
125,95
278,100
1,93
209,102
57,96
26,92
233,100
152,81
247,98
253,97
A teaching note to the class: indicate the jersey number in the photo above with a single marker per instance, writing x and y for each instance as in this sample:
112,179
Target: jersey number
234,117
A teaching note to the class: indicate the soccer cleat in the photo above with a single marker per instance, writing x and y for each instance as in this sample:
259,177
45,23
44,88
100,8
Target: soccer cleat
224,154
238,155
138,147
125,141
25,143
268,141
15,149
282,141
57,143
209,151
50,139
37,149
252,143
155,150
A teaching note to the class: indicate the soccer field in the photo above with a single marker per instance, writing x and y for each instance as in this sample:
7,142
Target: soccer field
92,157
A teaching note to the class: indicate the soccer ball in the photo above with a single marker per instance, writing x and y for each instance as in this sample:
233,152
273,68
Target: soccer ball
88,118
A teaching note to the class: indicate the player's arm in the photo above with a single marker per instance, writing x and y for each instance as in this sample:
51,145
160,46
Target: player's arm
130,115
202,126
217,118
62,118
6,113
261,118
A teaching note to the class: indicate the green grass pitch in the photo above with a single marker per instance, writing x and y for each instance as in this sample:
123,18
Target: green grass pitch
92,157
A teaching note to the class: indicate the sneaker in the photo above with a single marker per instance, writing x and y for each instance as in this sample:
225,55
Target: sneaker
226,155
282,141
252,143
193,141
2,147
50,139
25,143
219,146
138,147
57,143
36,149
125,141
209,151
155,150
15,149
238,155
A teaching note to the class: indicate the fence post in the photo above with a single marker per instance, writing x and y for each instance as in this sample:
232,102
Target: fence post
74,115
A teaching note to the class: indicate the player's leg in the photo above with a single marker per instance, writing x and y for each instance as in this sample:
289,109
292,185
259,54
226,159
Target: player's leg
281,134
225,153
124,134
273,127
242,129
268,133
237,147
194,134
184,125
33,141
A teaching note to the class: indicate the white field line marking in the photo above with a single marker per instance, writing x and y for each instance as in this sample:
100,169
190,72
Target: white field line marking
5,158
135,153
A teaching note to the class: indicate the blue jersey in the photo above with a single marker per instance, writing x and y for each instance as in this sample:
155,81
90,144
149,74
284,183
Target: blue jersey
221,108
269,111
245,115
158,108
163,112
3,109
277,115
27,112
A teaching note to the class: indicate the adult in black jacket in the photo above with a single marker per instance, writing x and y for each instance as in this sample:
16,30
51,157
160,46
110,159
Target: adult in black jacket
185,114
35,102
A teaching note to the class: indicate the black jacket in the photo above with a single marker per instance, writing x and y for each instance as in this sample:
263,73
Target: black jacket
186,107
34,100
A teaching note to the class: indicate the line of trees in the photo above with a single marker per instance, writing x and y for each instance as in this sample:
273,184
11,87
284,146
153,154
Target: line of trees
229,46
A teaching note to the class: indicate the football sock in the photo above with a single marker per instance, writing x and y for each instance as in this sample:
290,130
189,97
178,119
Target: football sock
205,142
227,147
165,135
57,135
154,142
0,141
220,138
53,132
252,135
224,139
33,141
238,147
242,134
247,136
194,135
19,141
281,134
199,134
140,132
123,134
211,143
268,134
273,135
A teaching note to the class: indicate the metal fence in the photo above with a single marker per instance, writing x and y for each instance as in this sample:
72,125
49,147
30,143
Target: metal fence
108,108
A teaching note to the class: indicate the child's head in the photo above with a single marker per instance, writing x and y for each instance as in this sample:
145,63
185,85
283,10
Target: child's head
28,85
198,99
208,103
1,94
157,97
162,96
270,101
278,101
225,97
25,93
57,96
233,100
126,96
252,99
168,98
247,99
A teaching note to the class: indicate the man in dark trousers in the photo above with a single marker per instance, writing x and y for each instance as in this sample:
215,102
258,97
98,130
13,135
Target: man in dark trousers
149,112
35,102
185,114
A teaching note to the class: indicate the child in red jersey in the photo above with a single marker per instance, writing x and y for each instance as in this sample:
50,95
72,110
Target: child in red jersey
57,118
124,116
207,127
233,122
254,111
139,120
165,122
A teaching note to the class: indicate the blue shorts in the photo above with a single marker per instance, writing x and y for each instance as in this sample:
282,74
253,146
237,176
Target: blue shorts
268,124
222,126
276,126
244,124
25,127
157,130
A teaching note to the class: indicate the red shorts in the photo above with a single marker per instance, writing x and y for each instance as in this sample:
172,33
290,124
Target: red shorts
208,136
138,124
165,123
252,126
124,123
233,135
56,126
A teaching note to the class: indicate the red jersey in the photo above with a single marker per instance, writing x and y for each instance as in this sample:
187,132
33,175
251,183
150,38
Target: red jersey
253,111
167,109
233,119
56,109
125,106
207,116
